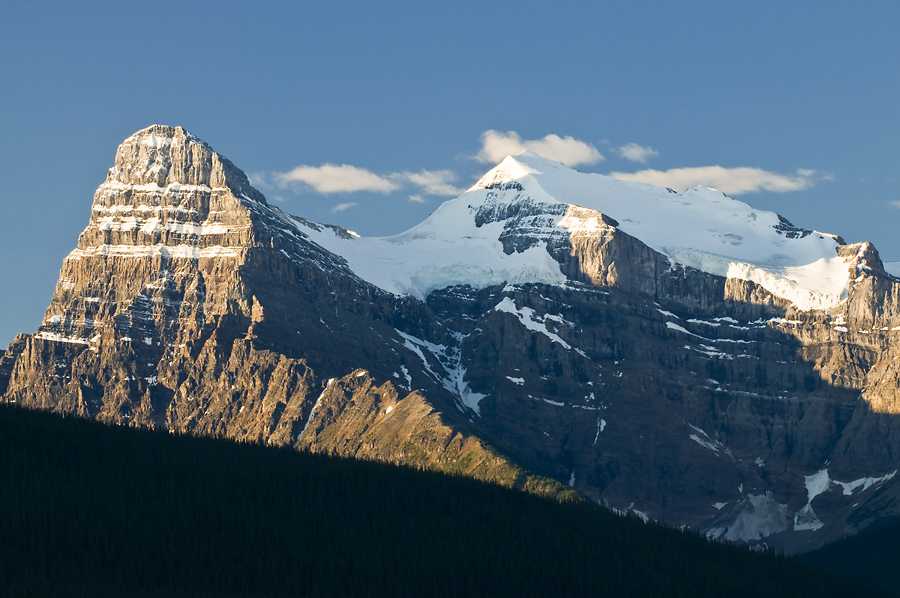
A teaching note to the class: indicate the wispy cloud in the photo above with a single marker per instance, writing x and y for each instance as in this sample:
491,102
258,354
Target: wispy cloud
431,182
343,206
570,151
333,178
344,178
895,203
636,153
417,198
733,181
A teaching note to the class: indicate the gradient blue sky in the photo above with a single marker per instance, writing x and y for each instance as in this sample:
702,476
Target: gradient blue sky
404,95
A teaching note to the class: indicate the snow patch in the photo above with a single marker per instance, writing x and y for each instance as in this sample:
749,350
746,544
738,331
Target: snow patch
821,284
601,425
816,484
760,515
313,410
641,515
704,443
704,322
407,376
526,316
709,443
806,519
449,359
672,326
864,483
53,336
153,251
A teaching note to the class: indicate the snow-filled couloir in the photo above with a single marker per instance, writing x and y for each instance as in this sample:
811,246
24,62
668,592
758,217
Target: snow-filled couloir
702,228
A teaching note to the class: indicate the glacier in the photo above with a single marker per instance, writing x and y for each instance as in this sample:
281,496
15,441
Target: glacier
701,228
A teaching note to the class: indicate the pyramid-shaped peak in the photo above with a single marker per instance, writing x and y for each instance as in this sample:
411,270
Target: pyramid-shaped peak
162,155
512,168
527,165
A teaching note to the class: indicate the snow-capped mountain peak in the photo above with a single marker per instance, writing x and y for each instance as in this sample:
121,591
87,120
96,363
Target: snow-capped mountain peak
701,228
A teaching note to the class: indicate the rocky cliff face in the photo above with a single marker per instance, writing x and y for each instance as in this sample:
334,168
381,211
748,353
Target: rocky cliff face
191,305
648,385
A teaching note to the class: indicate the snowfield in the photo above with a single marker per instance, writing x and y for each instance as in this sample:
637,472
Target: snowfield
702,228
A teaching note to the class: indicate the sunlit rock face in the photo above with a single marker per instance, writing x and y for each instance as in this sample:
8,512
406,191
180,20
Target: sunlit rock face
680,357
192,305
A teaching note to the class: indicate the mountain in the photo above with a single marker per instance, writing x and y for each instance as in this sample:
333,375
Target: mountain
682,357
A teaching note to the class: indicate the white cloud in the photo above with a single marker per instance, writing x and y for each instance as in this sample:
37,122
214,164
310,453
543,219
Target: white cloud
417,198
733,181
636,153
333,178
258,179
344,178
570,151
343,206
895,203
432,182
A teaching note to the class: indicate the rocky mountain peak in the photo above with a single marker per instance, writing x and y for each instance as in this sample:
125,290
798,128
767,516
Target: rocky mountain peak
168,193
169,225
166,250
163,156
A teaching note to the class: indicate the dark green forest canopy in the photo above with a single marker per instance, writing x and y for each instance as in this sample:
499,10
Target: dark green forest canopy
92,510
869,557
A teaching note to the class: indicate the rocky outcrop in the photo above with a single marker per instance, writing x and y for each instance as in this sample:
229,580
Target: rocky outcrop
654,388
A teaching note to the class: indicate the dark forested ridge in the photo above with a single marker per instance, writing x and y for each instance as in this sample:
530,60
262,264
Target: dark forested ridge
89,510
869,557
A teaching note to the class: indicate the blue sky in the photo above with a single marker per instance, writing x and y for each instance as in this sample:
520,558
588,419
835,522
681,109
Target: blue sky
794,102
